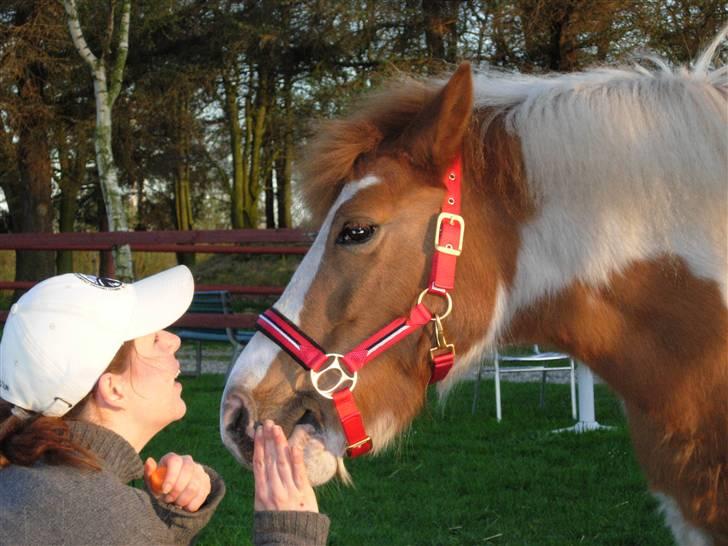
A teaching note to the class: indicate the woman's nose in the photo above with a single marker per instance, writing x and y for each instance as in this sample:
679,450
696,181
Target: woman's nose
171,342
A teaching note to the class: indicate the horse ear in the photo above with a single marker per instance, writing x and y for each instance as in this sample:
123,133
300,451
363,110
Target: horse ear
436,134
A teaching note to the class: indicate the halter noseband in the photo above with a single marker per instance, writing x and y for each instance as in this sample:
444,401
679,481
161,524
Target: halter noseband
289,337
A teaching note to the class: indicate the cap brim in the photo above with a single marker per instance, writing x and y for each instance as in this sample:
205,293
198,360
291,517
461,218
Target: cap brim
160,300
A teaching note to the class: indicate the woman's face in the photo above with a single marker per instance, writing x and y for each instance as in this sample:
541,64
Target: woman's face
153,371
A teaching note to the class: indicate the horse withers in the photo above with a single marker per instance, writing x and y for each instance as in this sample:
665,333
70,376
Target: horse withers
596,211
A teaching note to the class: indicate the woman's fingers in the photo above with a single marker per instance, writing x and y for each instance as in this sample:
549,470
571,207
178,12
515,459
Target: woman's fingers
186,484
283,458
186,470
298,468
261,481
196,491
281,481
174,463
275,485
197,501
150,465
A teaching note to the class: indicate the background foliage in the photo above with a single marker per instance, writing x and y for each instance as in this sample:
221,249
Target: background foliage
218,95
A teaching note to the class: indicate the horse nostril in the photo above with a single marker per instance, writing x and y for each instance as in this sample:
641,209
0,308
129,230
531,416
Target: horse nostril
238,427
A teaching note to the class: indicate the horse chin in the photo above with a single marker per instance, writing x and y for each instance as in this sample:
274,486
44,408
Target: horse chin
321,463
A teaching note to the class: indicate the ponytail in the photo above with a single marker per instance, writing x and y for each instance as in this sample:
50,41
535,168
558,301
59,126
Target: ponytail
23,441
27,437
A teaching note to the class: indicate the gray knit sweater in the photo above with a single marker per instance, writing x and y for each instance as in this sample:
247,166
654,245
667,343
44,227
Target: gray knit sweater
57,504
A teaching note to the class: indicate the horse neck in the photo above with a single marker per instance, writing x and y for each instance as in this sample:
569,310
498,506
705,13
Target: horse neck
631,315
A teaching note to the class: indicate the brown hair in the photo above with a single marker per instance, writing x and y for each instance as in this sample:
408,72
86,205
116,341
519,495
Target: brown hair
25,441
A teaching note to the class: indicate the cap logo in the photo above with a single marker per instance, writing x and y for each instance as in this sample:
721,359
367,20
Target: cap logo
100,282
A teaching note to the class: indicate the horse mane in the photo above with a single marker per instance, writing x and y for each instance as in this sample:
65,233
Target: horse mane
631,133
623,120
330,157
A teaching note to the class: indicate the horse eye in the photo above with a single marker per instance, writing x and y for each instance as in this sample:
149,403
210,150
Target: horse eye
355,234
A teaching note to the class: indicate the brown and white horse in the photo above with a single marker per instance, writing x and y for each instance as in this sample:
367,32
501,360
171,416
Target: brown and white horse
596,207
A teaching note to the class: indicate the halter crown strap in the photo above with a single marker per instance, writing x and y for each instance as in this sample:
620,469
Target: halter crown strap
448,233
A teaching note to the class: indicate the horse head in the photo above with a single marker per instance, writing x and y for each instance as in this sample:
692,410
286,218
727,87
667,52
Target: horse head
375,180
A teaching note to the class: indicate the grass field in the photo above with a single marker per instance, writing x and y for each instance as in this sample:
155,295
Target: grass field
457,478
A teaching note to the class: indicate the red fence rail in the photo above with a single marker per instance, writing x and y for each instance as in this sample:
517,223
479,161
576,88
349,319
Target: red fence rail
233,241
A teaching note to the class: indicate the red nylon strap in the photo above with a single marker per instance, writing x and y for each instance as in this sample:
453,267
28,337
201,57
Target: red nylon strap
391,334
290,338
357,440
441,365
307,353
450,231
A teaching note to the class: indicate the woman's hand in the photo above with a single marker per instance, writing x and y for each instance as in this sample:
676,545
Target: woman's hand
186,484
281,481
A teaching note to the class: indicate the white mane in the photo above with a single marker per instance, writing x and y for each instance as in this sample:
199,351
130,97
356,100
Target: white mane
625,164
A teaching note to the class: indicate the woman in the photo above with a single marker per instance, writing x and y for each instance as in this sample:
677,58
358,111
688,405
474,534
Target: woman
87,378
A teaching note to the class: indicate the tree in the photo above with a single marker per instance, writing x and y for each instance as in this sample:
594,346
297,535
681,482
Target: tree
72,144
106,89
26,68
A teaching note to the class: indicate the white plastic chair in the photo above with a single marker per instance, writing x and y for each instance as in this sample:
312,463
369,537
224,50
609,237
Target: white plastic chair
536,361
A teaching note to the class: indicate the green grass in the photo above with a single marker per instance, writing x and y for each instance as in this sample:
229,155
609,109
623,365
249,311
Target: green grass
457,478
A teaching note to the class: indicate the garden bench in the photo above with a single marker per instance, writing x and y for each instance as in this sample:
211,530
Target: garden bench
213,302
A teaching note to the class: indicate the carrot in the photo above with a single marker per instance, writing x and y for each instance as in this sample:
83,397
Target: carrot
156,479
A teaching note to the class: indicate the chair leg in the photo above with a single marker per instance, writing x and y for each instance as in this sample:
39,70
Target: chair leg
572,380
498,414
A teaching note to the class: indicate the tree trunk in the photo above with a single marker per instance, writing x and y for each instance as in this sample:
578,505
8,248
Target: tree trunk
105,97
73,173
284,160
182,195
32,210
440,26
270,199
109,177
254,180
106,258
240,167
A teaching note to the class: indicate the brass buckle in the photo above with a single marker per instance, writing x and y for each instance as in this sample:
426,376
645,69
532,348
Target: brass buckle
442,344
356,445
453,219
344,376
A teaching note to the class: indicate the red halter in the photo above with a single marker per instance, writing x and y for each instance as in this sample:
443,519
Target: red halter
305,351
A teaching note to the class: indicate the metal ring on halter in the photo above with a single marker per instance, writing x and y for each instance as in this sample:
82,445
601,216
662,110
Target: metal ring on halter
445,294
335,365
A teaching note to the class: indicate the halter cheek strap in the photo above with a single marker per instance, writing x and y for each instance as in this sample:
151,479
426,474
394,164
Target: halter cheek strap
333,375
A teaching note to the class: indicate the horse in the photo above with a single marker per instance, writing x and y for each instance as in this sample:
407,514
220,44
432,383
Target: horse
596,208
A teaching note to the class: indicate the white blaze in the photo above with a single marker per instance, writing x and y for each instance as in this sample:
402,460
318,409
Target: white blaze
254,361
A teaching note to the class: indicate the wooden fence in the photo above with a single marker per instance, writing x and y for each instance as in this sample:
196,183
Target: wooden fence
234,241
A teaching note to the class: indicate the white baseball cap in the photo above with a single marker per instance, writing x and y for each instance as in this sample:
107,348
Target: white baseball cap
62,334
